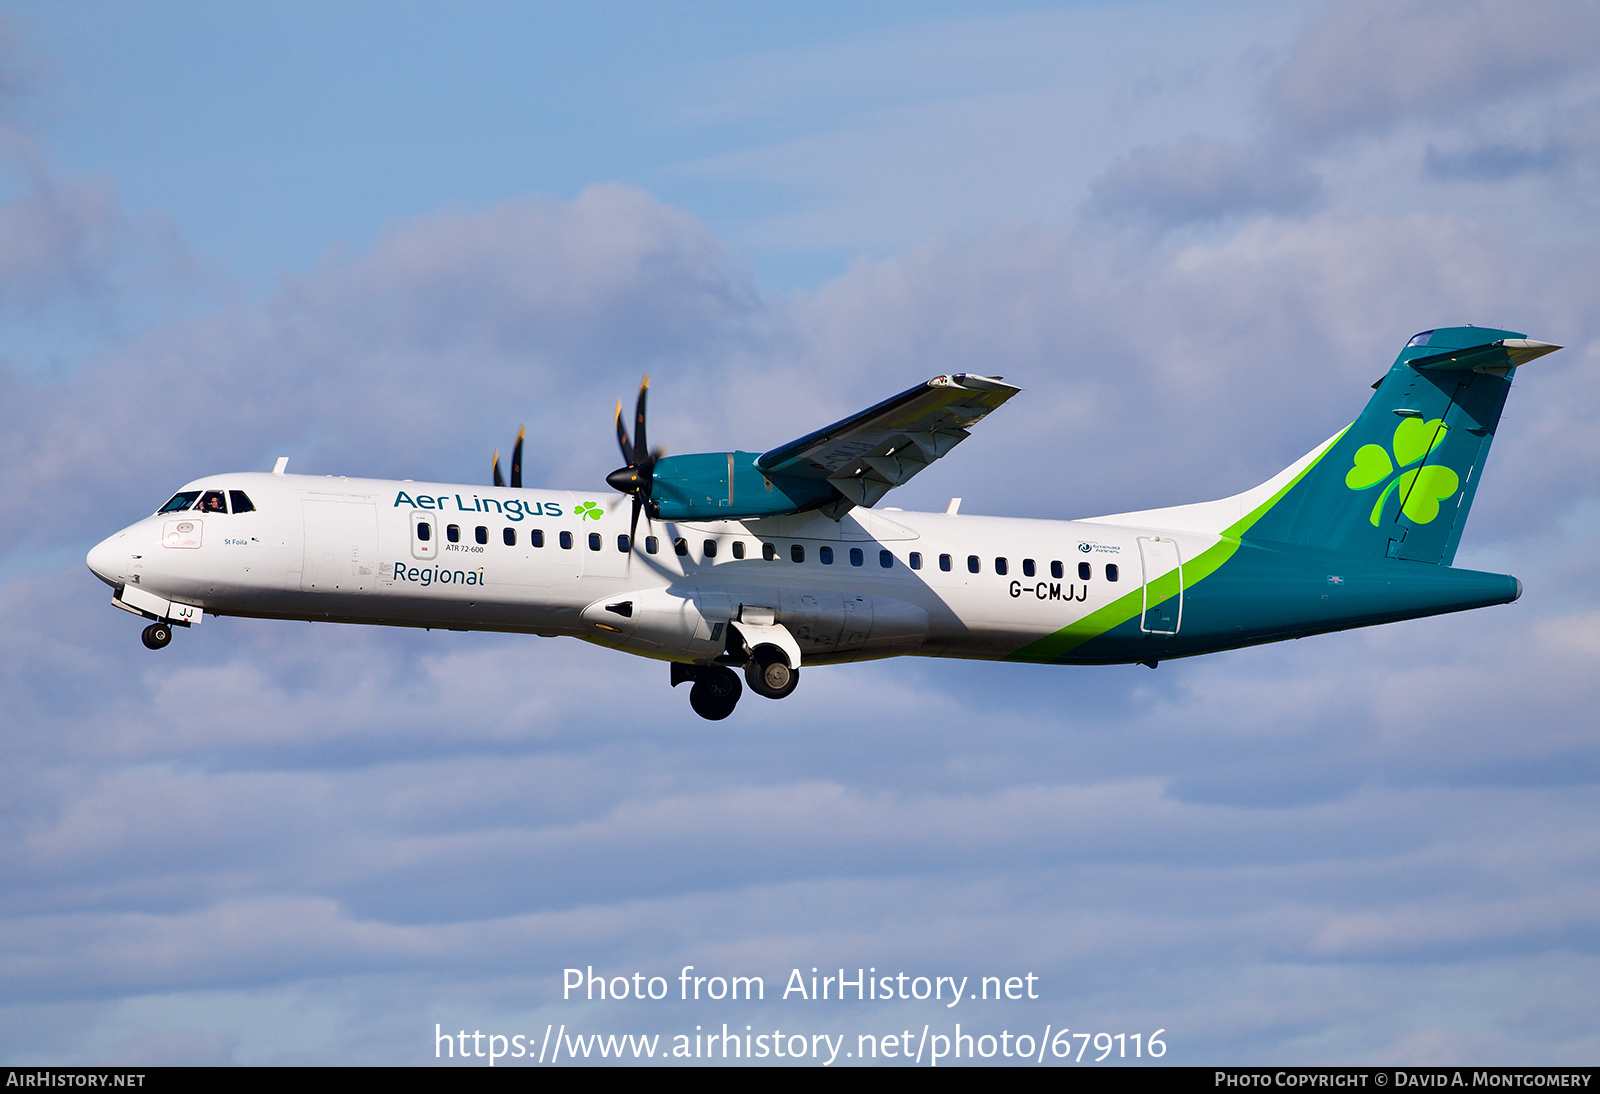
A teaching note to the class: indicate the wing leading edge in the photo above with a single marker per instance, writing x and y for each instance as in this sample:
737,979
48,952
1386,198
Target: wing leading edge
868,454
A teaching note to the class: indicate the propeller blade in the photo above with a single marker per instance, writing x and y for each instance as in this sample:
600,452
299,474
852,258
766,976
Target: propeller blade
498,481
640,446
622,438
516,460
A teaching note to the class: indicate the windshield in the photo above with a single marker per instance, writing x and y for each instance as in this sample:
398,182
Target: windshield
180,502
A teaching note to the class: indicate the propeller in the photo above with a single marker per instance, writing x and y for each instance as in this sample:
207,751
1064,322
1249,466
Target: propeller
516,462
636,476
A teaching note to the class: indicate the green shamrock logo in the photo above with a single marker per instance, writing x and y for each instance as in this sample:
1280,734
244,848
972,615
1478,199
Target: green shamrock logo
1421,488
589,511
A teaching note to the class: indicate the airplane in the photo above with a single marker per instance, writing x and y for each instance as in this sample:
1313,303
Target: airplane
770,562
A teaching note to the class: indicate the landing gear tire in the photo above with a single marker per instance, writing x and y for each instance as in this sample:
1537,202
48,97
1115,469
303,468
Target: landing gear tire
156,636
769,673
715,693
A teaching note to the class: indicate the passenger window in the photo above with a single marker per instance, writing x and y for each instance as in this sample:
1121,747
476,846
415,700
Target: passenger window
1000,566
1085,571
973,565
825,554
481,534
680,546
536,537
1111,571
769,551
709,548
1027,567
624,543
916,560
180,502
651,545
424,531
797,552
738,548
594,541
1055,569
944,563
856,557
509,535
240,501
213,502
452,532
886,559
566,541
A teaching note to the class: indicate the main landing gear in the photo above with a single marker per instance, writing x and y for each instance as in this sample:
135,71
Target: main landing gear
156,636
716,689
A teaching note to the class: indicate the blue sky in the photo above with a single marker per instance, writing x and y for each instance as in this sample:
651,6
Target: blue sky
377,238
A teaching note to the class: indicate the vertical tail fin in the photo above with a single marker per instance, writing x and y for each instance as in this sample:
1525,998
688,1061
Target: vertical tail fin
1401,479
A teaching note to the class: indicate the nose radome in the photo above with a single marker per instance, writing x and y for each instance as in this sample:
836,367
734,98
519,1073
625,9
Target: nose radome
108,559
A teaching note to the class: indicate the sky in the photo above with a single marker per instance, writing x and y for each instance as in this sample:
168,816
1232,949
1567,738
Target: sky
376,238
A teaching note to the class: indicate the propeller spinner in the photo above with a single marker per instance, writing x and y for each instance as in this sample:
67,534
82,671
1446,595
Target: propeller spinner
636,477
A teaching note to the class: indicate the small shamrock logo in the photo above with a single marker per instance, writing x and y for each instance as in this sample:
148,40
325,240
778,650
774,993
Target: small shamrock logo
1421,489
589,511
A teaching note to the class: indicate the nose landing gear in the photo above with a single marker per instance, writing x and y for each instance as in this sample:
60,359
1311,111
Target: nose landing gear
156,636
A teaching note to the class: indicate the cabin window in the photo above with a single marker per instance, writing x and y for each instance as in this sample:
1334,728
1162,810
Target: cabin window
565,538
916,560
1027,567
1085,571
680,547
944,563
180,502
1055,569
769,551
624,543
424,531
886,559
652,544
594,541
709,548
797,552
738,548
481,534
452,533
508,536
973,565
536,537
856,557
825,554
1111,571
240,501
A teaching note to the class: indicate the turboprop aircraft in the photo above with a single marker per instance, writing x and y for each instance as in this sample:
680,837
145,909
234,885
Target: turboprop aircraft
767,562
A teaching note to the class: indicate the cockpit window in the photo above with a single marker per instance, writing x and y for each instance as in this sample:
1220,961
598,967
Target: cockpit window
241,501
180,502
212,502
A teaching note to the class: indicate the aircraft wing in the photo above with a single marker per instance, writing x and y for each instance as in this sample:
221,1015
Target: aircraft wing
868,454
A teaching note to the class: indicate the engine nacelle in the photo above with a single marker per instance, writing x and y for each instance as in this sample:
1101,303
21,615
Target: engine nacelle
729,486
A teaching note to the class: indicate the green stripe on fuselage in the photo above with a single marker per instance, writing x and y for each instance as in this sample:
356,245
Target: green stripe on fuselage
1054,647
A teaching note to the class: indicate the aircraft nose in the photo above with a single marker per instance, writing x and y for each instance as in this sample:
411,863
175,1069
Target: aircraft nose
108,560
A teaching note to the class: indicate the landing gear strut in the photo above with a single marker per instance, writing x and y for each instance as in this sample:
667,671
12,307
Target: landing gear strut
156,636
715,692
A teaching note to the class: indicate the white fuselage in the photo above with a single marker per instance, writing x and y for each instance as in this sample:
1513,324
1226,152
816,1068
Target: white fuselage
549,562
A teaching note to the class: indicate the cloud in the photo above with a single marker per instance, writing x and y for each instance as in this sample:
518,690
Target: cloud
1366,64
1201,180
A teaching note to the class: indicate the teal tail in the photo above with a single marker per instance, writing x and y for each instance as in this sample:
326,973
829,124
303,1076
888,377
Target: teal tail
1399,482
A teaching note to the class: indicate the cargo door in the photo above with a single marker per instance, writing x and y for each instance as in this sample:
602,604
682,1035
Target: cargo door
341,545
